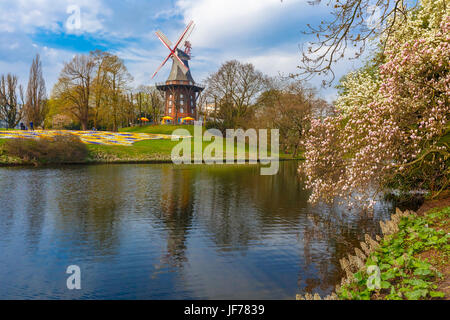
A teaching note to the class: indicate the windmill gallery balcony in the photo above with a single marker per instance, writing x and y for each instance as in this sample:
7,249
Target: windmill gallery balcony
161,85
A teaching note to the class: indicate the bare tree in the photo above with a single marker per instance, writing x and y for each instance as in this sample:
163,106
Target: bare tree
99,83
36,99
140,98
353,24
289,107
11,101
128,106
111,100
149,102
202,106
235,87
74,87
156,104
118,79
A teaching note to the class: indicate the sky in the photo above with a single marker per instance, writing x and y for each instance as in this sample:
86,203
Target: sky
267,33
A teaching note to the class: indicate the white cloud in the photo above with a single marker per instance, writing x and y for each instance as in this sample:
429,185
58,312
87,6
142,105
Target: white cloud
225,21
286,61
255,31
276,62
264,32
29,15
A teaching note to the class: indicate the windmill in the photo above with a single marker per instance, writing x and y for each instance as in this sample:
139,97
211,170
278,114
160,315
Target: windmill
175,52
180,90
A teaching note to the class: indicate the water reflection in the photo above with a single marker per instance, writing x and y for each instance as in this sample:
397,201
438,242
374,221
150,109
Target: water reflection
170,232
176,213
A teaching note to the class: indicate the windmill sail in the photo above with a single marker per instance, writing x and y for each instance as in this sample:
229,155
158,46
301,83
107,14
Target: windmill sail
175,52
188,35
162,65
183,35
164,39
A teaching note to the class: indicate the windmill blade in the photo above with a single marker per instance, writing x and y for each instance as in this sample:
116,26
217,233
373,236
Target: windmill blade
183,35
162,65
161,36
180,63
188,34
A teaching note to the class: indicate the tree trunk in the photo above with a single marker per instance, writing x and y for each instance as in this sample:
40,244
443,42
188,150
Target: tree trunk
84,124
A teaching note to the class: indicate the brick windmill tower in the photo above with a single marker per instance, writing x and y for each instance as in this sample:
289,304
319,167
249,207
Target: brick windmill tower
180,90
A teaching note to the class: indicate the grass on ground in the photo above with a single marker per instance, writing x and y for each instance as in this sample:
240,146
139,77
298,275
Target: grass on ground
6,159
147,150
414,262
161,129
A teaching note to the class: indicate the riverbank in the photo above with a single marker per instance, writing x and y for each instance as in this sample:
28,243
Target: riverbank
411,261
146,151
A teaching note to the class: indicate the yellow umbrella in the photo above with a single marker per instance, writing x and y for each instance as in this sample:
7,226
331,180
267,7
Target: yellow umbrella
188,119
167,118
144,119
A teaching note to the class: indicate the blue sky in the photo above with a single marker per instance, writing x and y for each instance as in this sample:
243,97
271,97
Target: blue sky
267,33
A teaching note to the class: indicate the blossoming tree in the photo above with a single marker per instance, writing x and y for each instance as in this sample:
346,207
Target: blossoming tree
392,128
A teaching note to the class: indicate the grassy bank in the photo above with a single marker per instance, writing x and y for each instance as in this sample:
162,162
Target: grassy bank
411,262
7,160
142,151
149,150
155,149
159,129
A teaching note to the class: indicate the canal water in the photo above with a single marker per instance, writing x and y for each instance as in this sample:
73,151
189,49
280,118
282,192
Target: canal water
171,232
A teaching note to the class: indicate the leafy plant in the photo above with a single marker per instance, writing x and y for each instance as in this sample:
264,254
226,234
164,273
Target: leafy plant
404,275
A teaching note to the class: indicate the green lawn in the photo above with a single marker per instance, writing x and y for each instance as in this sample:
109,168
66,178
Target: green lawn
161,129
147,150
152,149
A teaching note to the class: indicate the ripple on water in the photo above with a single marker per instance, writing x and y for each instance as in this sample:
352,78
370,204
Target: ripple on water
158,232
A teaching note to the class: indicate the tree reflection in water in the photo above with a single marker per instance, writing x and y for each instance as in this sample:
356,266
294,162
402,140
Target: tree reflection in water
164,231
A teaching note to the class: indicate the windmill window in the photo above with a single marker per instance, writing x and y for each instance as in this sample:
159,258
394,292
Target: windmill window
170,110
170,103
181,110
182,102
181,96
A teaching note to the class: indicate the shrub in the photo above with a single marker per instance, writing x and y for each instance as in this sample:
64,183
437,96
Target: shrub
60,149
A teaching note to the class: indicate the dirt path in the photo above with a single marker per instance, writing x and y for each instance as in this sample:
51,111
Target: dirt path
439,262
438,203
